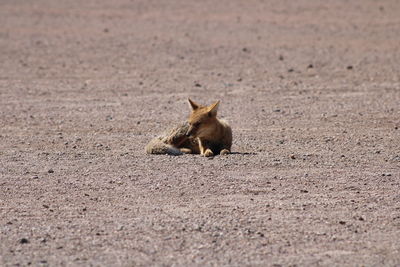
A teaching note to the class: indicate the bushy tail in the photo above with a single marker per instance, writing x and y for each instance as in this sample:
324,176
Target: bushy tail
157,146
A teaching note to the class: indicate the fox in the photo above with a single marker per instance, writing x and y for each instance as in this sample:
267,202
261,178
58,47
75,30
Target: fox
202,133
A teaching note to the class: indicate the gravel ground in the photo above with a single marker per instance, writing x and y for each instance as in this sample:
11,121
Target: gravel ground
310,88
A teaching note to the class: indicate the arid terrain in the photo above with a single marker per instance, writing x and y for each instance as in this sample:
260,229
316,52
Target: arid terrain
310,88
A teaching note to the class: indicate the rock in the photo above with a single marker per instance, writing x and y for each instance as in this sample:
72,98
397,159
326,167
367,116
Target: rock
24,241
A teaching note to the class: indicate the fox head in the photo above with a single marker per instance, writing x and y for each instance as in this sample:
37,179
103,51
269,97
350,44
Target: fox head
201,118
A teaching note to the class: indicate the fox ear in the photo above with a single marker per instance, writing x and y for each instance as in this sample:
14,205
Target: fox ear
212,109
193,105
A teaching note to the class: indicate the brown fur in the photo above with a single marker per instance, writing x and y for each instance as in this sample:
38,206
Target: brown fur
203,134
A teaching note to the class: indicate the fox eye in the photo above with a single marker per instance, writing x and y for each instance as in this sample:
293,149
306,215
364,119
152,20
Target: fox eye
197,124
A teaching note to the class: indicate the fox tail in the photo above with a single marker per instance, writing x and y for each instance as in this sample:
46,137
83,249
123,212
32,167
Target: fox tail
157,146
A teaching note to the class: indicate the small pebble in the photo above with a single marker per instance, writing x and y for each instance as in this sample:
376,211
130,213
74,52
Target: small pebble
24,241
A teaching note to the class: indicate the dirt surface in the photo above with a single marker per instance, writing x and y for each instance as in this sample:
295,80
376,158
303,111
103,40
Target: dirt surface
310,88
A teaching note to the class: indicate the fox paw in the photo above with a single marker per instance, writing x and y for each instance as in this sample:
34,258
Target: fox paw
224,152
208,153
186,150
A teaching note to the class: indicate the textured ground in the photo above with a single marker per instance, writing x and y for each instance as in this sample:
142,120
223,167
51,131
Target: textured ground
311,89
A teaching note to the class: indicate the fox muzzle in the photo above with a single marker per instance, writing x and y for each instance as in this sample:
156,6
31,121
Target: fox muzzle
189,131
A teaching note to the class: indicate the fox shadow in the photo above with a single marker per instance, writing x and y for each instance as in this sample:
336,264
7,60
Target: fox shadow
243,153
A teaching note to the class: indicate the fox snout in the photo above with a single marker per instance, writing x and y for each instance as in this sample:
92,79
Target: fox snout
190,131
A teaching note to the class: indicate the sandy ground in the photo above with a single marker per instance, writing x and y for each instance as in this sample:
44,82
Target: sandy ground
310,88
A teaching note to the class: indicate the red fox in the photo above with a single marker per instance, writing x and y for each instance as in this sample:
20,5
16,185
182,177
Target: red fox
203,133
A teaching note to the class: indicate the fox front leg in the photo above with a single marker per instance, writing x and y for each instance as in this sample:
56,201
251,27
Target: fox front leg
226,149
204,149
226,144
